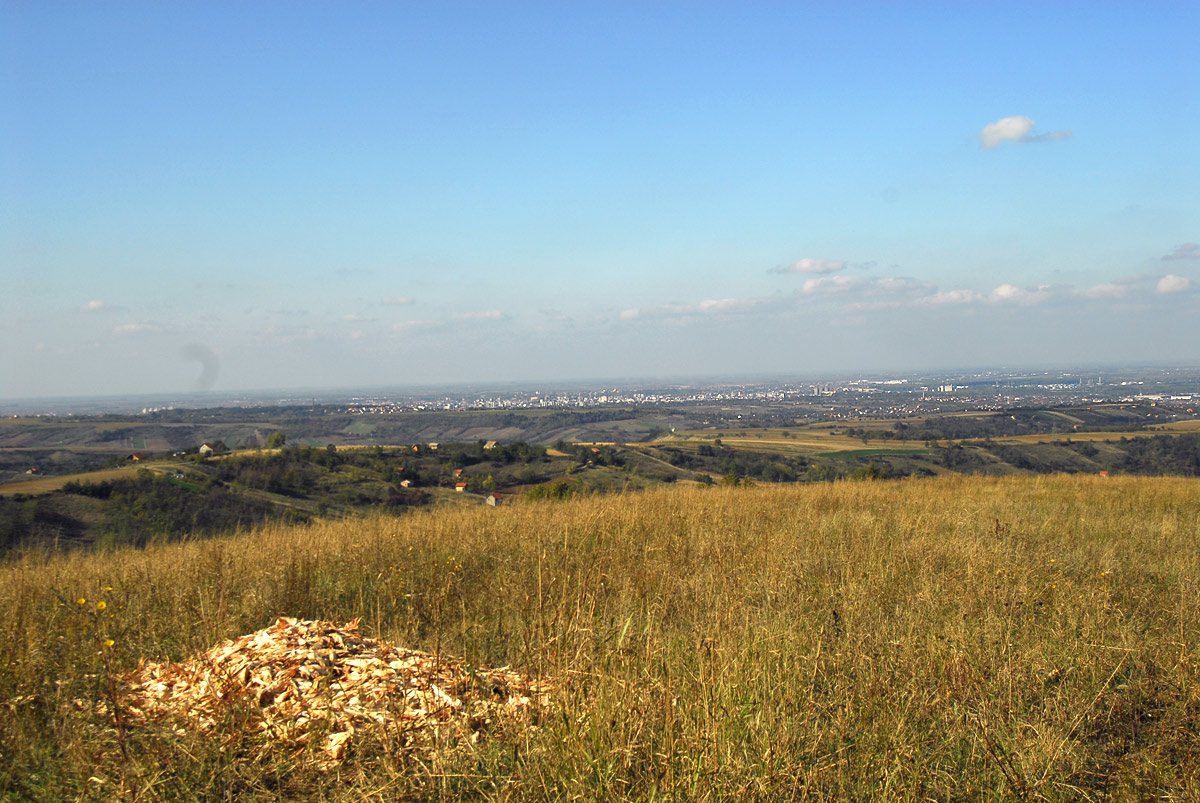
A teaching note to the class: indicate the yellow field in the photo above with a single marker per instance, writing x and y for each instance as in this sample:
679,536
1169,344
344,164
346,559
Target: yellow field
1019,638
1191,425
816,439
44,485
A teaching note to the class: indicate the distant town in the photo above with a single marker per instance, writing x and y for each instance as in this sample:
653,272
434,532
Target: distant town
896,396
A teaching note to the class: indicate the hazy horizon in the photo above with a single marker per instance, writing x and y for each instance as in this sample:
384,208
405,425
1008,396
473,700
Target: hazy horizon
228,197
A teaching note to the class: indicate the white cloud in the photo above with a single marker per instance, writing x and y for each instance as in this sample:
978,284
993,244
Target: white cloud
1172,284
1106,290
145,328
398,301
952,297
482,315
355,317
883,286
710,306
1017,128
1185,251
813,265
832,284
411,326
1011,294
136,328
94,306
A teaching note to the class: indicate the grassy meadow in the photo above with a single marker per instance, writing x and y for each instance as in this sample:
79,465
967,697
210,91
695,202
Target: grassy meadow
953,638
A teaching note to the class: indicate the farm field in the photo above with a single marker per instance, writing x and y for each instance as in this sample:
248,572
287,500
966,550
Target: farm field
44,485
1025,637
822,440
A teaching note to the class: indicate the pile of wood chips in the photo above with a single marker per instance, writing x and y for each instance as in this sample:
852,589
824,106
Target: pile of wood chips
301,678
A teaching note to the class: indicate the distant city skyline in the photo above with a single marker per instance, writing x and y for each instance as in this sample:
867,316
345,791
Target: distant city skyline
991,388
249,196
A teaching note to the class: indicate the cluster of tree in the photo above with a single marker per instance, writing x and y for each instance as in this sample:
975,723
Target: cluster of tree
152,508
557,490
288,472
722,460
37,520
1161,454
304,471
957,458
594,455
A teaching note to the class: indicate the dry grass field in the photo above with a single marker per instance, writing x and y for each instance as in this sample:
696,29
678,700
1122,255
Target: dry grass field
1019,638
44,485
1191,425
815,440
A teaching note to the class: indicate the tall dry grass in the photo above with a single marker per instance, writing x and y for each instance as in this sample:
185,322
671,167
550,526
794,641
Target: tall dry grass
948,639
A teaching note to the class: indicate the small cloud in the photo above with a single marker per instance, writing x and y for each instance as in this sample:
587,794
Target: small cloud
709,306
832,284
812,265
287,313
354,317
952,297
289,334
724,304
1016,129
1011,294
884,286
398,301
1185,251
482,315
1106,290
136,328
1172,284
413,326
94,306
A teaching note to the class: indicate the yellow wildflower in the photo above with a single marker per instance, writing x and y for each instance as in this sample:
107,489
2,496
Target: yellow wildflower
101,605
82,601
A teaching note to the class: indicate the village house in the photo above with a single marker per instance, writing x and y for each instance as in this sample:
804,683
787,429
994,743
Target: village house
493,499
460,487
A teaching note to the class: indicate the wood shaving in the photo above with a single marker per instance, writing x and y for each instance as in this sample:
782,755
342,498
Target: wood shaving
301,680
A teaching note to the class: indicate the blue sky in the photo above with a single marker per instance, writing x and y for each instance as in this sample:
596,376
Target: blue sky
385,194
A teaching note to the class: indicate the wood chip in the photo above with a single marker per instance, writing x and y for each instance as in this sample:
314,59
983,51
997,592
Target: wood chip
298,677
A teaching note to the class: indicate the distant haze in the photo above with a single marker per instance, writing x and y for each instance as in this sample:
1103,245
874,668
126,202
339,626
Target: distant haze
201,197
